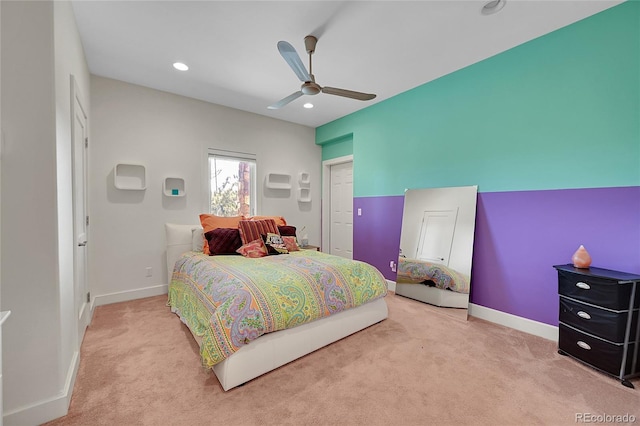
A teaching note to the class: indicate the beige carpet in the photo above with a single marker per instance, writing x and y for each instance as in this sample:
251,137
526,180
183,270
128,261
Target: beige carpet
140,365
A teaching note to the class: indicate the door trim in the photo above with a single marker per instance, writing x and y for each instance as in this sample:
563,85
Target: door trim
326,196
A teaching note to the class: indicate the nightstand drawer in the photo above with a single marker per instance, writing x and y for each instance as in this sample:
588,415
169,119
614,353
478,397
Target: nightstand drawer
593,320
597,291
595,352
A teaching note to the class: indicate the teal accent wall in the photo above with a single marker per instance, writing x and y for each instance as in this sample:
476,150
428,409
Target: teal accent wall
561,111
337,147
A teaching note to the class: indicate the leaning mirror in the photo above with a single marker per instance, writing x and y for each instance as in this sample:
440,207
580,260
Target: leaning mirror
436,246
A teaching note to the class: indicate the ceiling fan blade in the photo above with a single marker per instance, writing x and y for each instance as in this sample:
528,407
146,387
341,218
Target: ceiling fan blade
348,93
283,102
291,56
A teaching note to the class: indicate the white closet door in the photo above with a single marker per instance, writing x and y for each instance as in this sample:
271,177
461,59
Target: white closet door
80,212
436,236
341,237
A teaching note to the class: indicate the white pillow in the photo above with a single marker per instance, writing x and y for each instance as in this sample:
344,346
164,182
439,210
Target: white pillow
197,239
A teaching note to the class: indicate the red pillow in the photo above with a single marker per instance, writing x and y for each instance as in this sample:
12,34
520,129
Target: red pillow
251,230
287,230
280,221
254,249
210,222
223,241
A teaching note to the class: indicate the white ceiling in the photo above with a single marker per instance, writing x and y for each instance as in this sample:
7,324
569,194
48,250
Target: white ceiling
382,47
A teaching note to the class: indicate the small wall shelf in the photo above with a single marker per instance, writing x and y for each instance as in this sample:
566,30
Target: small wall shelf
304,195
278,181
304,179
173,187
131,177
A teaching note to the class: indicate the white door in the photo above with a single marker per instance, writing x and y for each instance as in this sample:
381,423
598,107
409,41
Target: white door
436,236
341,202
80,218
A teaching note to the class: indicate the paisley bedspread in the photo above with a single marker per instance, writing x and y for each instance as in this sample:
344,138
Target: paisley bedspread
413,271
228,301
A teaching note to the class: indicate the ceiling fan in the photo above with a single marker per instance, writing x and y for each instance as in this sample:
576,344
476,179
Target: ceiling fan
309,85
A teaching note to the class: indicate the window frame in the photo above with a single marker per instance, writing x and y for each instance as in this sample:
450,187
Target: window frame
236,156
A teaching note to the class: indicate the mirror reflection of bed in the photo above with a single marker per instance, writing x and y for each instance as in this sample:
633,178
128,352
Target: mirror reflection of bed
436,247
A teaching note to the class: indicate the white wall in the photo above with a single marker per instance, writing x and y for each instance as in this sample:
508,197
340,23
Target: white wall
40,49
169,134
31,339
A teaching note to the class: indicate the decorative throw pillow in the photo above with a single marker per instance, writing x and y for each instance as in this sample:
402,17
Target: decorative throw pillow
287,230
223,241
291,243
197,239
275,244
279,219
251,230
210,222
253,249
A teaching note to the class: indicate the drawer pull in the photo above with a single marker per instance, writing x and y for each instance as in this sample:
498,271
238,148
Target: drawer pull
583,345
582,285
583,314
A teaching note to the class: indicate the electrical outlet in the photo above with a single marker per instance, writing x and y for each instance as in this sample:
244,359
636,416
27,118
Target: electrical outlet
149,271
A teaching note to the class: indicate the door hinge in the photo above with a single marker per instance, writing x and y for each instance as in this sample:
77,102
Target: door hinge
87,220
86,142
88,296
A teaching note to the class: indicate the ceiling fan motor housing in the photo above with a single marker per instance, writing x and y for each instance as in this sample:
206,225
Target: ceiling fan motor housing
310,88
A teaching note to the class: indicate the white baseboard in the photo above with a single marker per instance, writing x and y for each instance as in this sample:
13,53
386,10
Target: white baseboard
536,328
124,296
58,406
391,285
47,410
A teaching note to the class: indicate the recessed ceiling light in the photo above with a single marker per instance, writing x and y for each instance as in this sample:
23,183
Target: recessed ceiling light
493,6
180,66
308,105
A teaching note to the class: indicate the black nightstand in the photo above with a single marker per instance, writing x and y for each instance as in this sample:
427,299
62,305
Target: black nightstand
599,310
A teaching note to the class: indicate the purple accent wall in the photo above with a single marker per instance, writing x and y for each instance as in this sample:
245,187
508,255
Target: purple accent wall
519,237
376,234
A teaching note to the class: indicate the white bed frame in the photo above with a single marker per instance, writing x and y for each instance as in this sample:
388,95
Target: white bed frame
433,295
273,350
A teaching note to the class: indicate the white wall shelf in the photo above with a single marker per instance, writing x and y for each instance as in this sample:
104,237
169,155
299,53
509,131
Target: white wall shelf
278,181
304,195
304,179
173,187
130,177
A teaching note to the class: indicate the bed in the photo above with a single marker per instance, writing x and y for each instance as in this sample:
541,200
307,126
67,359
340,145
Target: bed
239,352
432,283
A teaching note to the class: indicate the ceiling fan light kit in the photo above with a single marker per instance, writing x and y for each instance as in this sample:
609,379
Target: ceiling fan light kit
309,85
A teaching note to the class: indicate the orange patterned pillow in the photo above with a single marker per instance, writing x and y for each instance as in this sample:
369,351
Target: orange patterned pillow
253,249
210,222
291,243
251,230
279,219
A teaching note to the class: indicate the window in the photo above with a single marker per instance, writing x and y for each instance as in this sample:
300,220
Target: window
232,183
